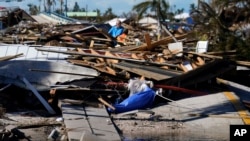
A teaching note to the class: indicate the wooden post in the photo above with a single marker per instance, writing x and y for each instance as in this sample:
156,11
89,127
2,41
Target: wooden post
148,41
106,103
91,43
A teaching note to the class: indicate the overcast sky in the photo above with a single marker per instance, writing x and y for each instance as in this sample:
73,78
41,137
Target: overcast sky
118,6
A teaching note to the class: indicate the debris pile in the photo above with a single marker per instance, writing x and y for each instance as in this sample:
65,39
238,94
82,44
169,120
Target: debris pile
96,74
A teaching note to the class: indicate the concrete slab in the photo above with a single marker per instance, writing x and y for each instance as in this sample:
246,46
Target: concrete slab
96,121
205,117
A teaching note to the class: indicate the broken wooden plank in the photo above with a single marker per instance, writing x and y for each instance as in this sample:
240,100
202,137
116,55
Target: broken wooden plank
150,72
157,43
203,73
91,43
60,72
243,63
101,39
101,68
243,88
148,41
9,57
204,55
169,33
106,103
108,57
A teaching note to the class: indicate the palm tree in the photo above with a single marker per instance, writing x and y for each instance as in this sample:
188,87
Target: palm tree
99,17
193,8
221,20
33,9
49,3
160,7
39,8
61,6
179,11
108,14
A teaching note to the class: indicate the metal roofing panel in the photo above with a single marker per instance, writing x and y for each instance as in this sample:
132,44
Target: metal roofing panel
30,53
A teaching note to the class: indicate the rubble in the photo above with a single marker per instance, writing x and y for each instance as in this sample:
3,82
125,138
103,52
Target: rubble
93,73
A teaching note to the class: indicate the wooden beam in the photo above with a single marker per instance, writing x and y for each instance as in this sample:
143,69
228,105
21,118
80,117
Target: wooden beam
10,57
106,103
108,57
91,43
148,41
166,40
204,55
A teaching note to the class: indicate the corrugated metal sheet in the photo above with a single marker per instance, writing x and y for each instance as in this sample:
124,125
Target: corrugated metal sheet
82,14
30,53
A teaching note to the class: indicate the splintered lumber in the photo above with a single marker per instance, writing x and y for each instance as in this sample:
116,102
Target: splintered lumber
168,32
204,55
150,72
39,70
107,57
203,73
243,63
228,52
84,91
148,41
243,88
10,57
100,67
91,43
107,53
166,40
101,39
106,103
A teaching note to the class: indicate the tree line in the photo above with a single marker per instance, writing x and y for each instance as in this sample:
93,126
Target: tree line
160,8
225,23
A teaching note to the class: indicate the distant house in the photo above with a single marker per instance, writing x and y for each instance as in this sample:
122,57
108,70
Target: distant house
82,15
148,23
112,22
12,15
148,20
182,16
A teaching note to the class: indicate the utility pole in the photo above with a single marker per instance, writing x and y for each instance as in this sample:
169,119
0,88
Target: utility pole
86,11
66,8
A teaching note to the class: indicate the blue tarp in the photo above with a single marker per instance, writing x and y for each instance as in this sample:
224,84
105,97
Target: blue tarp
139,100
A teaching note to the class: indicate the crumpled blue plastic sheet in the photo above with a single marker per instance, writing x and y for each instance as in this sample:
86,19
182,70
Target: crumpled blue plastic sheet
140,100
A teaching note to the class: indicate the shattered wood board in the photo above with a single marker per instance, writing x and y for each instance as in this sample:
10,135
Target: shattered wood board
101,68
79,119
201,74
147,71
157,43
